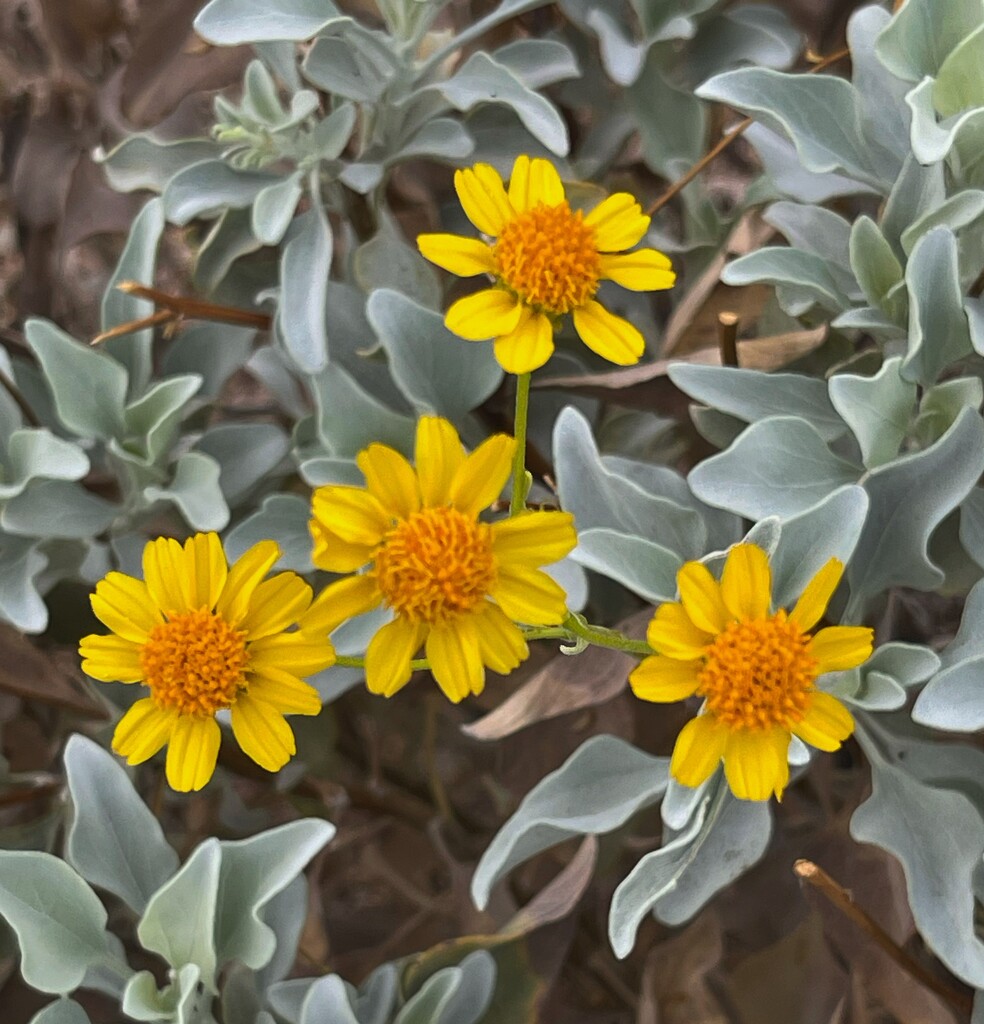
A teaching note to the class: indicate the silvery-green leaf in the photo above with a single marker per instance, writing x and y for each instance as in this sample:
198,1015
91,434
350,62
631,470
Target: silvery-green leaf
917,192
942,404
212,351
751,395
273,209
241,996
938,330
972,524
209,188
229,239
597,789
481,80
34,454
878,409
114,841
304,268
538,62
441,138
435,1000
819,113
817,230
436,371
868,690
65,1011
59,922
778,467
875,265
327,1000
938,836
909,498
922,34
232,22
954,699
143,1001
958,84
339,67
180,919
283,518
387,262
136,263
362,177
270,366
329,137
195,491
142,162
253,871
758,34
287,997
285,915
673,132
349,418
21,563
377,995
646,568
809,278
57,508
725,837
932,140
830,529
151,423
957,211
246,453
95,410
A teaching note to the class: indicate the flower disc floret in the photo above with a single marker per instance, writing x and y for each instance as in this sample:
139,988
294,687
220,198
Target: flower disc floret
756,669
545,261
457,586
203,637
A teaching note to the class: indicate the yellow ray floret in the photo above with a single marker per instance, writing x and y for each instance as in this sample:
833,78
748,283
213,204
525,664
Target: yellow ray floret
204,636
756,670
456,585
546,260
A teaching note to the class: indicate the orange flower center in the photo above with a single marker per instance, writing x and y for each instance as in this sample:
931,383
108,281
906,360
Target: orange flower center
195,663
549,257
759,674
435,565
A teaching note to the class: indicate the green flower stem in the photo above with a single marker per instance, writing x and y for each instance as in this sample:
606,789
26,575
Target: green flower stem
517,503
599,636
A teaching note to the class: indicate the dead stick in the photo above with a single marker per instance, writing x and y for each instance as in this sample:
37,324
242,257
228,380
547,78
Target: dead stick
844,902
728,338
197,309
726,140
162,316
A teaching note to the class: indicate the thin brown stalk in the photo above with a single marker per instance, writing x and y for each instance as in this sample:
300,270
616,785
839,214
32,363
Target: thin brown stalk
844,902
162,316
197,309
19,400
728,338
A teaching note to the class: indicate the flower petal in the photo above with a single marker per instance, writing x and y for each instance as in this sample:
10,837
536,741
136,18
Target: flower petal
334,554
756,763
262,733
277,603
483,198
480,478
391,479
437,456
827,722
665,680
244,577
465,257
746,583
645,270
673,634
455,658
530,596
534,538
532,182
698,750
126,606
608,335
352,513
815,598
166,575
142,731
500,641
284,692
618,221
528,346
340,601
301,653
192,752
484,314
206,568
837,648
700,595
389,655
111,659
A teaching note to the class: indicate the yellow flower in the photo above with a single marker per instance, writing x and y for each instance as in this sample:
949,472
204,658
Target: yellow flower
547,260
204,636
457,585
755,669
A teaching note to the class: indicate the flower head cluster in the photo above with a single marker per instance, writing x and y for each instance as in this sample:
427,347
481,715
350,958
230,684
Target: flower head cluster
203,637
755,669
546,260
456,585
